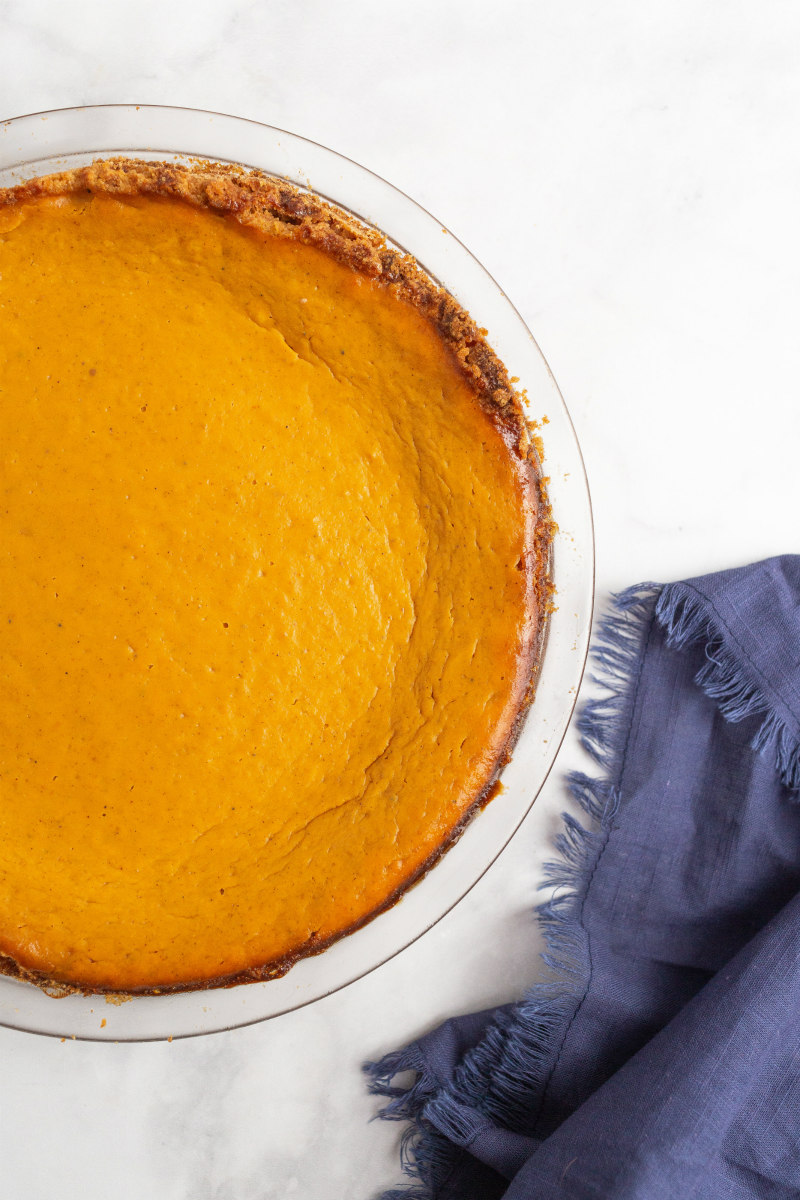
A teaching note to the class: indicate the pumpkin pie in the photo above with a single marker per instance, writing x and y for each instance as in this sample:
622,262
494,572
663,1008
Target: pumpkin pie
273,558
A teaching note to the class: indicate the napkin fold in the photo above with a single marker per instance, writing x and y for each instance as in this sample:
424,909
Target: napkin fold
661,1058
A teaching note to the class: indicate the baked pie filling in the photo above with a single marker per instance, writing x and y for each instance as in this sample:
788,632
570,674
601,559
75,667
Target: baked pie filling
272,555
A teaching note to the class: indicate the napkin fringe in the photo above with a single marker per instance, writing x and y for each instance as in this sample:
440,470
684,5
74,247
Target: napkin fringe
687,619
404,1103
426,1156
617,650
504,1078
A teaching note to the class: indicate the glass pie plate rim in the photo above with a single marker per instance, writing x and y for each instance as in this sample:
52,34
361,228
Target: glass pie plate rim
38,143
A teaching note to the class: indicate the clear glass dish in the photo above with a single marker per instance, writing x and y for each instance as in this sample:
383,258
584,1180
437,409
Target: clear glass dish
51,141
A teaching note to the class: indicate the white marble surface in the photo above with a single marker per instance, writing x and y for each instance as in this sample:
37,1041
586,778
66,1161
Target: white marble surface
646,156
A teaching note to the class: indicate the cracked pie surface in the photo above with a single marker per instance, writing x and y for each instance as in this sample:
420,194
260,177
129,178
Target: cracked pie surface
272,575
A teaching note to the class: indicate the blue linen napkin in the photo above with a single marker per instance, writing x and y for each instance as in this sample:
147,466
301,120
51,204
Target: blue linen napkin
664,1061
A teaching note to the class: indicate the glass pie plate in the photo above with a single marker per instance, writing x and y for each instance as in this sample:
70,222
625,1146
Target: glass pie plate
53,141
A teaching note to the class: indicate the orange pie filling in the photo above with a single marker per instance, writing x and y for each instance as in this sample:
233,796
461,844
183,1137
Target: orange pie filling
268,593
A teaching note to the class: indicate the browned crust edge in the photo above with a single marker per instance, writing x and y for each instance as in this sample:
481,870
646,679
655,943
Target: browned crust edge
275,207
